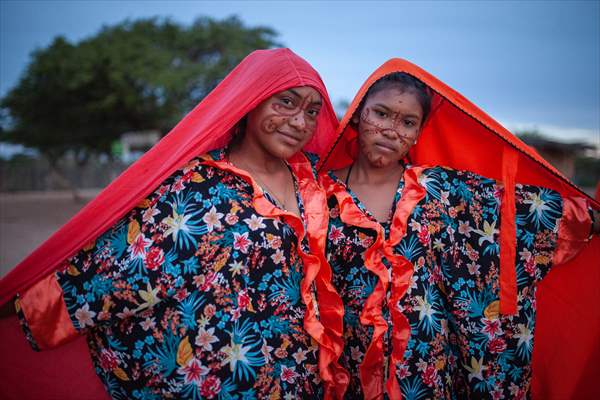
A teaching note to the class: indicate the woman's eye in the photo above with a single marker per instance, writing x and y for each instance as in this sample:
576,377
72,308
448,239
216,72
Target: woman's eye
381,114
313,113
409,122
287,101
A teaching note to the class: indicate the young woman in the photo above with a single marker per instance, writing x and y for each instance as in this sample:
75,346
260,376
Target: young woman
417,257
205,289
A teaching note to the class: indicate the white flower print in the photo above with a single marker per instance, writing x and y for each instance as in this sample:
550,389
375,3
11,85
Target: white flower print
84,316
213,219
255,222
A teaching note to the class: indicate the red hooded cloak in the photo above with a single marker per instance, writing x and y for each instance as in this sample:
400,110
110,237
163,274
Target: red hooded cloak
459,135
208,126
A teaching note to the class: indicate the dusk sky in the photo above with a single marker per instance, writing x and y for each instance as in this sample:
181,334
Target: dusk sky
528,64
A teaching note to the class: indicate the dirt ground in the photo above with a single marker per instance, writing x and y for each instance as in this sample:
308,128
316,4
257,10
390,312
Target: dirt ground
29,218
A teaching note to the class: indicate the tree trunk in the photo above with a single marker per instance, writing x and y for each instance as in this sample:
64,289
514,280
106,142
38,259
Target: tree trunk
57,176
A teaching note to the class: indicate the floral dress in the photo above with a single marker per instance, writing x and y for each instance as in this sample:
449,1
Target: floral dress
434,267
194,294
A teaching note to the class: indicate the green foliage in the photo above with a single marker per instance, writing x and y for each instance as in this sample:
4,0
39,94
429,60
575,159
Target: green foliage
136,75
528,135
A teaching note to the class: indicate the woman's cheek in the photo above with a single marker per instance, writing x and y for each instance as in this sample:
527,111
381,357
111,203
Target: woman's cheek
270,123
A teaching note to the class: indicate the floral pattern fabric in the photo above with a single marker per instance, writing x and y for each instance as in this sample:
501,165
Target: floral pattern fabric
459,345
195,295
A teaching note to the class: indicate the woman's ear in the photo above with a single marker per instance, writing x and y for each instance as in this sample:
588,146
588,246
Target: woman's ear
355,119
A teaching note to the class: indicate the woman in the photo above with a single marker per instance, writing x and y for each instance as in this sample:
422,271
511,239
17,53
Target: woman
204,288
416,255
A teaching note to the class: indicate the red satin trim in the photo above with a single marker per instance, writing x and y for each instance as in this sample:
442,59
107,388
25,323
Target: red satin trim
46,313
508,235
402,272
574,229
371,368
327,331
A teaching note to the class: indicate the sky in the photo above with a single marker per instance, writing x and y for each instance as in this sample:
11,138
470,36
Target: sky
529,64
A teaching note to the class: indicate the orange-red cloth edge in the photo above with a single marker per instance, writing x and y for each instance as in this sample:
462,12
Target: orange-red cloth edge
44,308
508,235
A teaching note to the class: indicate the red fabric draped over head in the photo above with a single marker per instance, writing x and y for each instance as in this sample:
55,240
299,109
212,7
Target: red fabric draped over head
459,135
208,126
456,134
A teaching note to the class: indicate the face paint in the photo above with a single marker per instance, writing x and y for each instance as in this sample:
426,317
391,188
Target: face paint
285,110
286,121
391,127
388,126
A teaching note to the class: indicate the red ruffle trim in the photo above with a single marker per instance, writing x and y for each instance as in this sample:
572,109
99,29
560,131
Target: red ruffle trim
328,329
372,366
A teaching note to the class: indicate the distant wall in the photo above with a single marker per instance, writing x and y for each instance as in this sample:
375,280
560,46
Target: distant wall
24,173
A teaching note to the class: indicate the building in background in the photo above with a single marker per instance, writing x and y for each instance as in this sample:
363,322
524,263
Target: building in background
561,155
133,145
578,161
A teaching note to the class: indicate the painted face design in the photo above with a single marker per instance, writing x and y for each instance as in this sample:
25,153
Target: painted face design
393,126
286,121
300,113
389,125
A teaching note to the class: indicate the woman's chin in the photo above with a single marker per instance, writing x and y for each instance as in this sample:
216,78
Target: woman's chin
381,161
283,151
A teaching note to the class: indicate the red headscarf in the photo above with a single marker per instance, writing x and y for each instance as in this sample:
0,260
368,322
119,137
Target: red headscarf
459,135
208,126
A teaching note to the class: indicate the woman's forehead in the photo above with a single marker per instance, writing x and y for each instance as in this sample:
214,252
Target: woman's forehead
394,96
304,93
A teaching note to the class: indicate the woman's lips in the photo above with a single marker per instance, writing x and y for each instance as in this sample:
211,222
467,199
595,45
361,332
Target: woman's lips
385,147
290,138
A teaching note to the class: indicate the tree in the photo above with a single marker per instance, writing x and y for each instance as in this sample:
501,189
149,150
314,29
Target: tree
136,75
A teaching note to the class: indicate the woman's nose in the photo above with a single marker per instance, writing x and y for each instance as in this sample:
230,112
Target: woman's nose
297,121
390,133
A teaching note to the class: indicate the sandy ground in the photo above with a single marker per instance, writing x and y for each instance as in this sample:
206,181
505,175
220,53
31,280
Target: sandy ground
29,218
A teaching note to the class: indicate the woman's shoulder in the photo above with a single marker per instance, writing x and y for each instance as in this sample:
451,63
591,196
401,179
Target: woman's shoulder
198,172
445,173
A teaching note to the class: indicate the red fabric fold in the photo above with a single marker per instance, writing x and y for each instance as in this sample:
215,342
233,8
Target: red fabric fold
566,367
48,319
508,235
65,373
574,230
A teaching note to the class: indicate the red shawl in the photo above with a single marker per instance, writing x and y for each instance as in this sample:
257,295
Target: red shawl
208,126
460,135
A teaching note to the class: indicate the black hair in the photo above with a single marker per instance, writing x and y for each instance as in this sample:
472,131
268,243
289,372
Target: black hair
238,132
405,82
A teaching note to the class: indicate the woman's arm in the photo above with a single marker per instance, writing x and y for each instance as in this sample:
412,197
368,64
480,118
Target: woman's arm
127,270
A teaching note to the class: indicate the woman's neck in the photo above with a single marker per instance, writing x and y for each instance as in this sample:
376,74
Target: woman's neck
250,155
363,172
